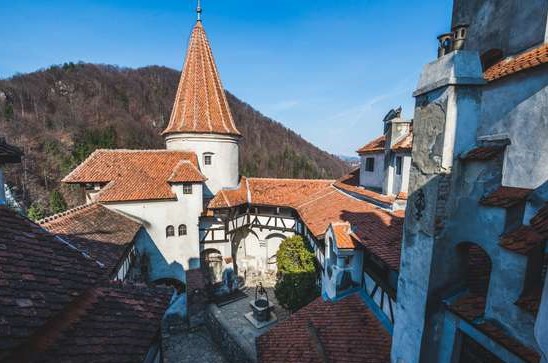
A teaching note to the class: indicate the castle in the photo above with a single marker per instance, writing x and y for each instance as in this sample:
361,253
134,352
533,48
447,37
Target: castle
433,250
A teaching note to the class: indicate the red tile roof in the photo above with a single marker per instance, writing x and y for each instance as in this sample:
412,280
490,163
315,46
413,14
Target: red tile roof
344,237
117,324
505,197
521,240
374,146
100,232
471,308
351,184
269,192
39,276
344,331
200,104
132,175
379,231
526,60
482,153
405,144
186,172
530,301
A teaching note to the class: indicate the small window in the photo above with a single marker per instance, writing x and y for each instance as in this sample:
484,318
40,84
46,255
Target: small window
187,188
207,159
398,165
182,230
370,164
170,231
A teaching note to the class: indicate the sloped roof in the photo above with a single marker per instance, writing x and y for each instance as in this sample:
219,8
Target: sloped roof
505,197
117,323
200,103
374,146
483,153
342,331
40,275
136,174
540,221
521,240
100,232
526,60
269,192
351,183
405,144
379,231
344,237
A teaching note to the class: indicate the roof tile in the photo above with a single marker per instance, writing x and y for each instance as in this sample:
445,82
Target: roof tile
505,197
526,60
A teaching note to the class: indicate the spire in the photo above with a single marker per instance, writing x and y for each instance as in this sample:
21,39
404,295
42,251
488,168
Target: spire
200,104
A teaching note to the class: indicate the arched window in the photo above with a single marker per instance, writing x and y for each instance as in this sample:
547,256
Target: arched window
182,230
170,231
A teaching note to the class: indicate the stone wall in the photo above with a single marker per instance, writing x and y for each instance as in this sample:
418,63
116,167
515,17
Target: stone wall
228,345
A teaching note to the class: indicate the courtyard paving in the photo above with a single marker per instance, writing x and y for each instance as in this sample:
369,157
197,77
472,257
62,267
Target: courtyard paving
231,317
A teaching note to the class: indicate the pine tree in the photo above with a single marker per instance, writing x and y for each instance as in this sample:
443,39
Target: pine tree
36,212
57,203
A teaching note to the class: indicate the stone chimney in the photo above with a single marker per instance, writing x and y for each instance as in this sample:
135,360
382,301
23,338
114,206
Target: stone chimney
395,127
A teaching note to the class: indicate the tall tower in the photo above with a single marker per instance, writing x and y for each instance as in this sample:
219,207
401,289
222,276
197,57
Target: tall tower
201,120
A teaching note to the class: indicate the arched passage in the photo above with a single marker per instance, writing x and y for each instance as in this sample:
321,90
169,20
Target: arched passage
212,260
273,242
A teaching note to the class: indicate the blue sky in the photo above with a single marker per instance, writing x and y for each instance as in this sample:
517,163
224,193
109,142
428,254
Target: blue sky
327,69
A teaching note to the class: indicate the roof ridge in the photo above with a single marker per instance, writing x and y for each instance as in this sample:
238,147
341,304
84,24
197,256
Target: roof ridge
292,179
59,215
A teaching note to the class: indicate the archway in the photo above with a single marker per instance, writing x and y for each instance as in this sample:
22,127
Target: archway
245,247
273,242
213,261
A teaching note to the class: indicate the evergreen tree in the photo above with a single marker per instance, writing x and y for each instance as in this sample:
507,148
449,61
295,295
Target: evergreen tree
57,203
297,274
36,212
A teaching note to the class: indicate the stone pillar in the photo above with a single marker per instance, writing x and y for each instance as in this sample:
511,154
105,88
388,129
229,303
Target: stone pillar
445,122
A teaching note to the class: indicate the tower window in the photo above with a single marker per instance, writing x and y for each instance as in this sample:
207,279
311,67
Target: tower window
170,231
208,158
369,164
182,230
187,188
399,161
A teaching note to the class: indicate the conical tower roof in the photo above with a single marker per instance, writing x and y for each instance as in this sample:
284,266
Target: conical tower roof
200,104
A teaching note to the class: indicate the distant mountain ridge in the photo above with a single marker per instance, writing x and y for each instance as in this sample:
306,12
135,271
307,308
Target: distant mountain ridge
61,114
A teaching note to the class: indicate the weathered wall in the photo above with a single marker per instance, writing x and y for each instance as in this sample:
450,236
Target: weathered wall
509,25
517,107
224,171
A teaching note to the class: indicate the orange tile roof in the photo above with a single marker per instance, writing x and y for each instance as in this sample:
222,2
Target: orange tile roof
100,232
526,60
324,331
505,197
132,175
200,103
186,172
405,144
268,191
344,237
379,231
374,146
351,184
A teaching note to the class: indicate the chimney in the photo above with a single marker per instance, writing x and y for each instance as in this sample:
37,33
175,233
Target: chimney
445,44
459,36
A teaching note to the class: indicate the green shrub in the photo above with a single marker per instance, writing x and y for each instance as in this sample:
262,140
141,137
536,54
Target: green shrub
36,212
297,274
57,203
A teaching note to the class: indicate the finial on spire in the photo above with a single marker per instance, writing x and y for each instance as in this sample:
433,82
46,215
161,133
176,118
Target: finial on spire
199,11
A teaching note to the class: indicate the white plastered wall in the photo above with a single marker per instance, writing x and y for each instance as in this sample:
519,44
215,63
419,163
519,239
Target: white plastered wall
375,178
223,171
157,215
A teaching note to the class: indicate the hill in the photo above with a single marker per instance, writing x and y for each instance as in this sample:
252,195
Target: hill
60,115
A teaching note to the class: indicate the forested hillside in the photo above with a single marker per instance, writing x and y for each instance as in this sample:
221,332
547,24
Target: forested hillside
60,115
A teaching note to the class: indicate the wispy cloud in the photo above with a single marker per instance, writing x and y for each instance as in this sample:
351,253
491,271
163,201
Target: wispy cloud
284,105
